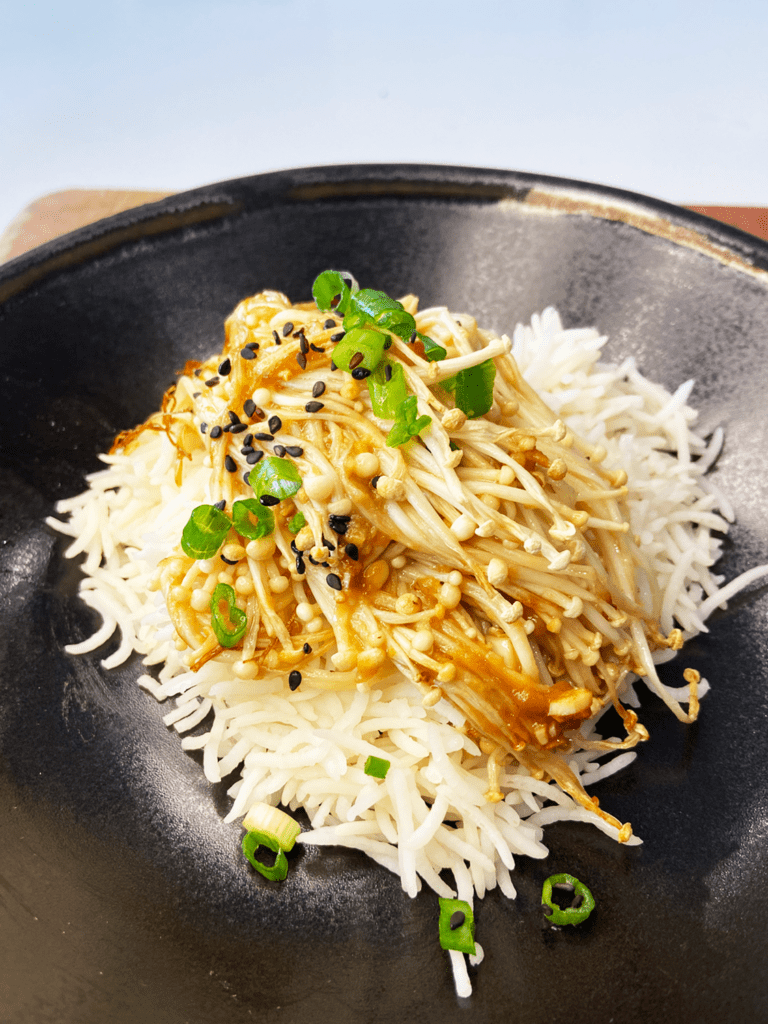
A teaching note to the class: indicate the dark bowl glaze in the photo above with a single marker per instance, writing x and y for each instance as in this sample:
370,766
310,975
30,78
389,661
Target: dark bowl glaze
124,897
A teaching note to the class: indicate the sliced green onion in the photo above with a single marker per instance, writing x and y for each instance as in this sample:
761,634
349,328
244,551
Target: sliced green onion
461,936
407,423
297,523
376,767
277,871
432,350
387,395
472,388
372,303
245,512
368,343
271,821
275,477
583,898
205,532
331,283
398,321
229,626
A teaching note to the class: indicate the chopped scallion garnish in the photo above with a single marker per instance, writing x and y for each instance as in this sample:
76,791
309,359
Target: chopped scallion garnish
581,907
376,767
387,395
432,351
230,625
297,523
457,925
360,346
408,423
330,284
251,843
252,520
271,821
472,388
275,478
205,532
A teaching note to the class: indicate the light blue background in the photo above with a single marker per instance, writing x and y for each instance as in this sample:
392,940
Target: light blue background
668,99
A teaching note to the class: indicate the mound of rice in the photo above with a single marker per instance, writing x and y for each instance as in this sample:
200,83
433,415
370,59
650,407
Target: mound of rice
307,749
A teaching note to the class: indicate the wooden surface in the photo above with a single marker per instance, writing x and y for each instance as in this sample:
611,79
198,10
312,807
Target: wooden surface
60,212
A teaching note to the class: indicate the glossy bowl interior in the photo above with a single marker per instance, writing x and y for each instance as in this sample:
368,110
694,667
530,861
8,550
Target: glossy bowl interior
124,895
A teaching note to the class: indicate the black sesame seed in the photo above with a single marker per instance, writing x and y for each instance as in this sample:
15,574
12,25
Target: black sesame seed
294,549
360,373
249,407
229,464
212,382
287,328
264,437
203,427
216,431
352,552
248,439
388,372
277,338
318,388
253,457
303,344
233,417
238,428
333,366
307,649
300,567
279,451
225,367
313,406
220,505
227,428
253,346
247,353
275,424
269,500
356,359
375,481
294,451
229,561
247,476
301,359
329,324
196,394
246,449
198,371
333,581
413,338
457,919
339,524
316,348
328,544
314,561
294,679
338,336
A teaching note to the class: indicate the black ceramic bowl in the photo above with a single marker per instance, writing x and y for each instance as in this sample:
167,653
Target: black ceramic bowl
124,896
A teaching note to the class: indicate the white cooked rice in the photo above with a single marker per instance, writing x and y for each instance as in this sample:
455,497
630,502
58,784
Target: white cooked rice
307,748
